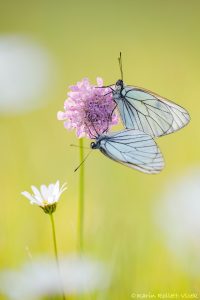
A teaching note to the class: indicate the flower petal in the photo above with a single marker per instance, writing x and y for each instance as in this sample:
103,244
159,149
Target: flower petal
62,189
28,196
56,187
61,116
44,191
99,81
37,193
51,188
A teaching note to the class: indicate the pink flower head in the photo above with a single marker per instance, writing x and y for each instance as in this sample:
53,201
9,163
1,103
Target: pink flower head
89,109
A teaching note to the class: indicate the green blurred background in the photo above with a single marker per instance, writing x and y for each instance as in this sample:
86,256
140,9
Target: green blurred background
160,43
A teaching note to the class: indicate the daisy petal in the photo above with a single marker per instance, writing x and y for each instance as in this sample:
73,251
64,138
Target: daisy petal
51,189
56,188
28,196
44,192
63,187
36,192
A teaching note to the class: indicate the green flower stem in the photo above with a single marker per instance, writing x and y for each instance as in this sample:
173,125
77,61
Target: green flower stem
54,237
81,200
56,250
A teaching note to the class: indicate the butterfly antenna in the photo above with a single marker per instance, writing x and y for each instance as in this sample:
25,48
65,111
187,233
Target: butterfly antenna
120,65
82,161
77,146
104,86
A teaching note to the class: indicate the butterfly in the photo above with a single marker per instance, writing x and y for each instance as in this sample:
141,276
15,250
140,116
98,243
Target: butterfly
132,148
144,110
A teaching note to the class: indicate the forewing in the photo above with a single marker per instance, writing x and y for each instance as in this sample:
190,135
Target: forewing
146,111
134,149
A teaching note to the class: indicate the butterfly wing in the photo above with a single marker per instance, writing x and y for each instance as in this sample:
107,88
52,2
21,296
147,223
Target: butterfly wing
146,111
134,149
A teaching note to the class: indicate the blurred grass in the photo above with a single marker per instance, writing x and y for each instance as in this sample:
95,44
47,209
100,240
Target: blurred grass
160,43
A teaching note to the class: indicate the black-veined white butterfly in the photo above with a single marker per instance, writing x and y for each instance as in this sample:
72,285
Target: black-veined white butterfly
132,148
146,111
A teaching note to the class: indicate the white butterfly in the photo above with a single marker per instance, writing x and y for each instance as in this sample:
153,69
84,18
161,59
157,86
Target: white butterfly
132,148
146,111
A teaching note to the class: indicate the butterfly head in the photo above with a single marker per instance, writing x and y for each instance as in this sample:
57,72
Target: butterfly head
93,145
96,145
119,83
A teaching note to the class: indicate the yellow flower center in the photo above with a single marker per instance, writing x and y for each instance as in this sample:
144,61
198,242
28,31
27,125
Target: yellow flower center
45,202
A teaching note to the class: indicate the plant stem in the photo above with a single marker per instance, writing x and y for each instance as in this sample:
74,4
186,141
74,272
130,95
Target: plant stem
81,199
56,251
54,237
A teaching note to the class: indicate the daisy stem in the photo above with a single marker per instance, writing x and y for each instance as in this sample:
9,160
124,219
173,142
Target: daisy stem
54,237
56,249
81,200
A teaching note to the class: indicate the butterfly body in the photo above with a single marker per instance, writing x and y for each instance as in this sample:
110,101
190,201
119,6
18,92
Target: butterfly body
144,110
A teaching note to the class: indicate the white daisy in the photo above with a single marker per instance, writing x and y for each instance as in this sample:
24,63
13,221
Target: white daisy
47,196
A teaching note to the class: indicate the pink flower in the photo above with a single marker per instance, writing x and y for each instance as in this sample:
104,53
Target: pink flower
89,109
